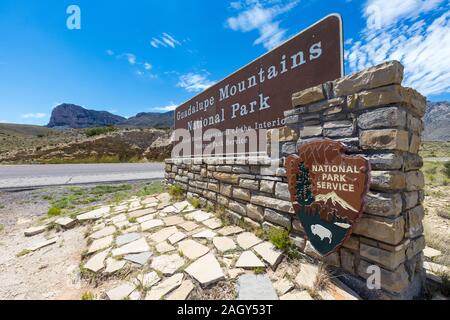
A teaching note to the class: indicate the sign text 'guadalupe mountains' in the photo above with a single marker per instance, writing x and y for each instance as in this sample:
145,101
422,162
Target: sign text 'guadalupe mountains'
256,96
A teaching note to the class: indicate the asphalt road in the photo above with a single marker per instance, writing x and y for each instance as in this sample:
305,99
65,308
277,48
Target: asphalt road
33,176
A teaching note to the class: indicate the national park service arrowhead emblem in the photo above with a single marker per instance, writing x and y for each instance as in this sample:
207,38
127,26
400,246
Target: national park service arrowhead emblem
327,189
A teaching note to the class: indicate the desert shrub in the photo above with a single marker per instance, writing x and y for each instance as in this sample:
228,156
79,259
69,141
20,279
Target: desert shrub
196,203
279,238
447,169
87,296
150,189
176,191
259,270
54,212
101,130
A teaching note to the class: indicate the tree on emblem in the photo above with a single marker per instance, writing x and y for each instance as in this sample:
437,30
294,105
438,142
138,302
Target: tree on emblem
304,193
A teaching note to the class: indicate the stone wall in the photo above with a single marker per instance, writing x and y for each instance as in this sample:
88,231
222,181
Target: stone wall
375,117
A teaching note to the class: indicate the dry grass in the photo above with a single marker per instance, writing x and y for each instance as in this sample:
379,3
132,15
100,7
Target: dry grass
323,281
439,242
224,290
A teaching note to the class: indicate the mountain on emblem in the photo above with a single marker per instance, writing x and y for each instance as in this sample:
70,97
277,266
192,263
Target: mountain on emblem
335,199
327,189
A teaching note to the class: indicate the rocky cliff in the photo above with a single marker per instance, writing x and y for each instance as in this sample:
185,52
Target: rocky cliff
76,117
437,122
150,120
72,116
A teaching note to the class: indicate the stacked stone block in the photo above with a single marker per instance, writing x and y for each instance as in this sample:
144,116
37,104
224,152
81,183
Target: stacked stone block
375,117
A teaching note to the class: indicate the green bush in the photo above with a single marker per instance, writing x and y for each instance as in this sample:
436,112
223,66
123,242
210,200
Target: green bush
196,203
87,296
176,191
54,212
98,131
279,238
259,270
447,169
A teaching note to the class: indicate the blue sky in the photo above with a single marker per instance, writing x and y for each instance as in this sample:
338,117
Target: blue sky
141,56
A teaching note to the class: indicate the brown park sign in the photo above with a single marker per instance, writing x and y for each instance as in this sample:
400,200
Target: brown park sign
256,96
327,189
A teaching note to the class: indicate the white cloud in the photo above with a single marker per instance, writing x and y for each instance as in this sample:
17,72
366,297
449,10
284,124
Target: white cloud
147,66
170,107
140,68
109,52
34,115
421,43
194,82
261,16
155,43
165,40
382,13
131,58
236,5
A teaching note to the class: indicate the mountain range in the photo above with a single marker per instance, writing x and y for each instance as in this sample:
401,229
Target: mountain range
437,119
72,116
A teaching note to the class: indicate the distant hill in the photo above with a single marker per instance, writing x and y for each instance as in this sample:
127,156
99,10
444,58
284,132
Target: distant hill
73,116
76,117
151,120
13,129
437,122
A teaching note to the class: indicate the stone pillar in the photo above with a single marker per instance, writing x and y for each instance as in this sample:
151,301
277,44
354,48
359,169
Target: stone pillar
375,117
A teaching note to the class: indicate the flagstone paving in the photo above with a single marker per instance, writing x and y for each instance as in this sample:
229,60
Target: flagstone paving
256,287
164,234
121,292
247,240
163,288
137,246
177,237
147,280
30,232
213,223
192,249
224,244
167,264
206,234
97,262
139,258
249,260
154,248
127,238
66,222
106,231
206,270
